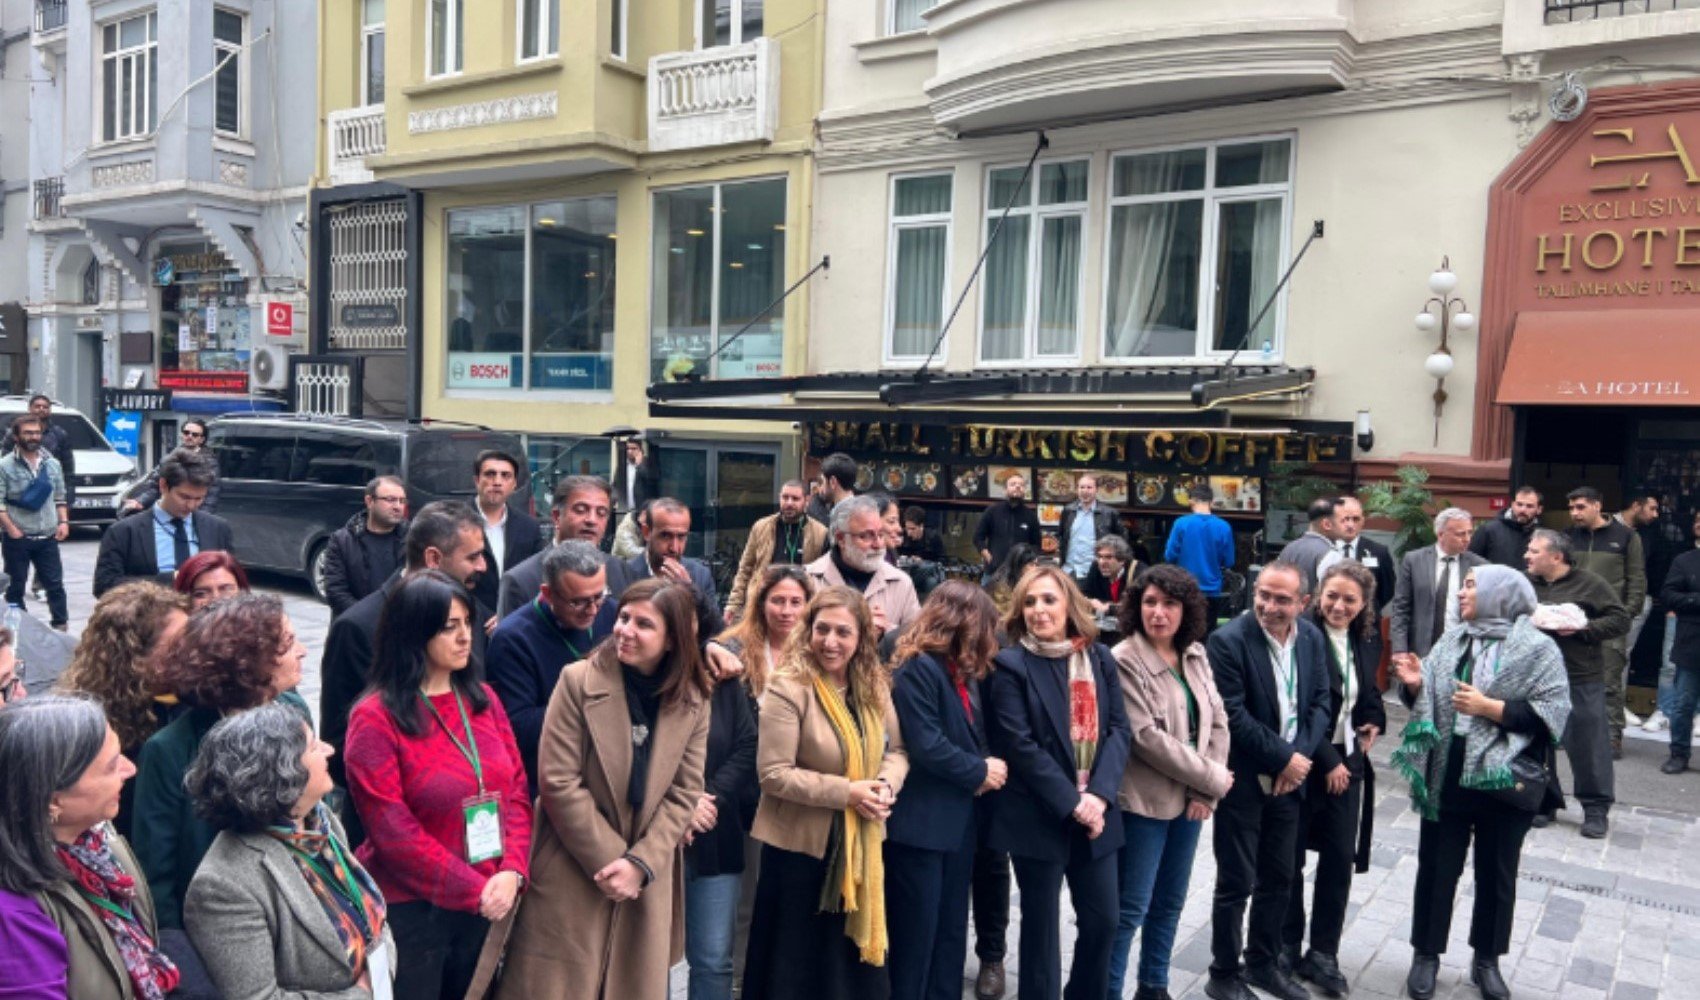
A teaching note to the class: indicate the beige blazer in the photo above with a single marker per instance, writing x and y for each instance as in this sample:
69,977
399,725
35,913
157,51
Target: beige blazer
758,556
801,767
1163,772
890,589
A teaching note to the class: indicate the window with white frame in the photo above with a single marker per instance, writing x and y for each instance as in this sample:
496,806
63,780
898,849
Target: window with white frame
1197,237
445,48
229,28
539,28
728,22
617,38
372,52
905,15
918,262
129,77
1030,304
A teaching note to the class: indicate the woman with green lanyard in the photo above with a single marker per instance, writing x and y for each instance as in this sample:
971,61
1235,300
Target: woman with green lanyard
1176,770
1337,809
279,906
436,776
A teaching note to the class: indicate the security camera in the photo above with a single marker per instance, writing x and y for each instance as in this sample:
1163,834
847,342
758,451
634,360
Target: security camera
300,220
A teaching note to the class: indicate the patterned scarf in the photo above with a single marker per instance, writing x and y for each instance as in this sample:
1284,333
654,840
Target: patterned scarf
359,923
1082,699
111,893
855,879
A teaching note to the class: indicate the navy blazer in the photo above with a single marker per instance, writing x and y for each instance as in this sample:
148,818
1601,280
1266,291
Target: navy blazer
1245,677
622,573
1028,726
1367,707
947,760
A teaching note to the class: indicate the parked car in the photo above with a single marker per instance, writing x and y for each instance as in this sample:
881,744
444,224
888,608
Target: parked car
102,473
287,481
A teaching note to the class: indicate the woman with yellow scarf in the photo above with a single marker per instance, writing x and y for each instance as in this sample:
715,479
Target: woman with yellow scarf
831,764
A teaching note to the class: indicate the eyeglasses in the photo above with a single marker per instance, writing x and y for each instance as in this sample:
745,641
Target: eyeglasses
583,604
384,499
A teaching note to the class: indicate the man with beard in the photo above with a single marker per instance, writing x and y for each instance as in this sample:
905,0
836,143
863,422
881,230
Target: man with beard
665,533
1613,550
33,513
788,537
1505,539
1005,525
581,509
837,482
363,553
857,560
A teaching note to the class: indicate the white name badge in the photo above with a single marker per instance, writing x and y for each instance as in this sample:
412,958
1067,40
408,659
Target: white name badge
1371,562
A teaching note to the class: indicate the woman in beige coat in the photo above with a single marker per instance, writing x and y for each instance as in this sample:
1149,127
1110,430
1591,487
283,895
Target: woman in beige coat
620,769
1176,772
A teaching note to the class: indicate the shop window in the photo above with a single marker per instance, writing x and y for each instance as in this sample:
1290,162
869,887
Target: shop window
918,264
906,15
1030,306
228,30
1196,245
539,28
372,52
729,22
129,78
531,296
204,315
445,27
719,260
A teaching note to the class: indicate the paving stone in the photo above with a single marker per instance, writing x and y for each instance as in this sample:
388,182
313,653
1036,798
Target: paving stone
1587,972
1542,976
1633,991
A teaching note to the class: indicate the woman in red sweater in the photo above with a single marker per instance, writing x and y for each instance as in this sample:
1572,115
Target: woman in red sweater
436,777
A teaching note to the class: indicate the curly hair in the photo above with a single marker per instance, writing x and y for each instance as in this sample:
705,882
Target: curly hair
751,631
1177,584
868,677
1081,623
227,656
959,622
118,654
1365,623
247,774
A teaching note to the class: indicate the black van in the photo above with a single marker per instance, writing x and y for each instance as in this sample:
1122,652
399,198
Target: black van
287,481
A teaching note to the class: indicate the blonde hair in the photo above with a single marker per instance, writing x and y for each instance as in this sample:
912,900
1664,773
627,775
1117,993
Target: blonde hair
868,677
751,631
1080,620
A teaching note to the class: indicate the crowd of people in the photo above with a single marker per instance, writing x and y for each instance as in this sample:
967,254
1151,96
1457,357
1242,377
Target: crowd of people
539,770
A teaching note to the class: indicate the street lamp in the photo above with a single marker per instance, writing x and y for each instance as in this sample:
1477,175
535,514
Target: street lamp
1443,311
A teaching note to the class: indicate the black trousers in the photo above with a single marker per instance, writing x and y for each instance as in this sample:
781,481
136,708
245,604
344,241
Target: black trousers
18,555
796,951
1329,824
1093,887
437,950
990,891
1498,831
1254,839
926,905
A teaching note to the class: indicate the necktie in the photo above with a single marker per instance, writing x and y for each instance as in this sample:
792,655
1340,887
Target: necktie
1346,550
1441,590
179,541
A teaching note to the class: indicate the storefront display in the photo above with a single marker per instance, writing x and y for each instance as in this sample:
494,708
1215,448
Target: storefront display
204,319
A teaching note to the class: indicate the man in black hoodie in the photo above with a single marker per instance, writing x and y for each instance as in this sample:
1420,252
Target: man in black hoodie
1005,525
1504,539
363,553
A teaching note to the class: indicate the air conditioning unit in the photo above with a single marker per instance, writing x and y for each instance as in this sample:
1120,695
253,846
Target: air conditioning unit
268,368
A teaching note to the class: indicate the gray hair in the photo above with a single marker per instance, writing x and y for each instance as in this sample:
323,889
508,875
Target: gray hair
1557,541
1117,545
848,508
46,743
248,773
1450,514
575,556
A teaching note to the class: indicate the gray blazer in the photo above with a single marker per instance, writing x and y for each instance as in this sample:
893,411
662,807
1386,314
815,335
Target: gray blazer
1306,552
1412,610
261,932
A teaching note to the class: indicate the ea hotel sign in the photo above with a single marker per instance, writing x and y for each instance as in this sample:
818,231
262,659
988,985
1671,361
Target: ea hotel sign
1592,296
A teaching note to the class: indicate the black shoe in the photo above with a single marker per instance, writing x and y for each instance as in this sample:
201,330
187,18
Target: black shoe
1542,821
1271,980
1152,993
1323,969
1228,987
1287,959
1594,826
1675,765
1420,983
1484,972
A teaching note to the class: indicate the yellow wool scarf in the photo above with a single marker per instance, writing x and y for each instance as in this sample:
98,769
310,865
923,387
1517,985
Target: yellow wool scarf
855,880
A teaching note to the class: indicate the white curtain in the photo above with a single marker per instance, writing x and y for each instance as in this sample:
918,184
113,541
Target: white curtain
1005,298
1265,270
906,14
918,292
1059,285
1144,269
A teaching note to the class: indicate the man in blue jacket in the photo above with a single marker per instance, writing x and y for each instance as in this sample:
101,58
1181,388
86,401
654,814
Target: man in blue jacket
1202,544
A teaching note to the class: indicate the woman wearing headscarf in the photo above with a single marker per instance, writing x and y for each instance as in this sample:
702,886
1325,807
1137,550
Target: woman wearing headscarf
1492,690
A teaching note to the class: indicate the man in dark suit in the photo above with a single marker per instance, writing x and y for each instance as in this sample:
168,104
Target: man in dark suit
1372,555
663,556
511,536
1425,597
580,508
636,480
1271,668
156,543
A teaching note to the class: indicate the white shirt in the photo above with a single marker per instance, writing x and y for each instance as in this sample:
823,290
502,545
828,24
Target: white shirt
1286,681
496,533
1448,583
631,486
1342,643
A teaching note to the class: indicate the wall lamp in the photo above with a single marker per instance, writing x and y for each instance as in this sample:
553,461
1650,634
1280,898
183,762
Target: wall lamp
1443,311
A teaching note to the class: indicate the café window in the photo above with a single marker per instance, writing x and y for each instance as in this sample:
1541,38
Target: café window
228,29
1030,305
445,27
205,322
719,260
539,28
1196,245
531,296
372,52
917,262
129,77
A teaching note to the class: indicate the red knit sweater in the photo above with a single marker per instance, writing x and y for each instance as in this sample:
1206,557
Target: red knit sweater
410,792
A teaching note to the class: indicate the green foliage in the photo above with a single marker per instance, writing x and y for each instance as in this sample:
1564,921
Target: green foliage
1407,501
1292,486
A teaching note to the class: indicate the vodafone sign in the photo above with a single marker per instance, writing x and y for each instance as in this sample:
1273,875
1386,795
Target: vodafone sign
280,319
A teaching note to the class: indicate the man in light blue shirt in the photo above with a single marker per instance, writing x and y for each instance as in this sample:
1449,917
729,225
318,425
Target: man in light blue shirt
1083,523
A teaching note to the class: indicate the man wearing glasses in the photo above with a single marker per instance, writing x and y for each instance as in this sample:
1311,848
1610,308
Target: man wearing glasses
857,559
364,552
192,438
569,614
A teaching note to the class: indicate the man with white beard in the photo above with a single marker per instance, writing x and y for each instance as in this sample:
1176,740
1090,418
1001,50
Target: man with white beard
857,560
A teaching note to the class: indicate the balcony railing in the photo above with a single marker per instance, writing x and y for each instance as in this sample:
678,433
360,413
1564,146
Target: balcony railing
350,137
714,97
1566,11
49,15
49,193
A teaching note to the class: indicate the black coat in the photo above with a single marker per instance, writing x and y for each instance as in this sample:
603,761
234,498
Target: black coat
622,573
349,573
648,485
1376,558
1502,541
127,550
1002,527
1681,594
524,538
1367,707
1027,725
728,774
1106,520
947,758
1245,677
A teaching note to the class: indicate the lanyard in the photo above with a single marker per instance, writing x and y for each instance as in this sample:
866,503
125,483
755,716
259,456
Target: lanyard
1191,705
537,606
349,890
791,538
469,749
107,905
1284,664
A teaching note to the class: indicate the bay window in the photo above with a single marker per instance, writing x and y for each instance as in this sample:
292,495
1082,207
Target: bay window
1030,303
539,28
728,22
906,15
228,30
129,77
918,264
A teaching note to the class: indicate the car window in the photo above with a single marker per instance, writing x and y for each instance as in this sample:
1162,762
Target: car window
342,459
79,432
439,463
253,452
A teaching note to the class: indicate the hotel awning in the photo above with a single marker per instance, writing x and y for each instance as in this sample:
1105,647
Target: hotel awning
1619,357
